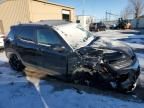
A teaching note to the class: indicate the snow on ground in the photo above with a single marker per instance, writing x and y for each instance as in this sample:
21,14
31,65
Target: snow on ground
18,91
24,95
3,59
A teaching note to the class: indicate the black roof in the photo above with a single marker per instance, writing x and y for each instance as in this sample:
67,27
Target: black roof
46,23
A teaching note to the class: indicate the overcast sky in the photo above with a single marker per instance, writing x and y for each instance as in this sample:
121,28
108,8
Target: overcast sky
95,8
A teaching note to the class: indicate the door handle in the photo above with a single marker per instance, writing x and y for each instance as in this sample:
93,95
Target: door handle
41,49
37,49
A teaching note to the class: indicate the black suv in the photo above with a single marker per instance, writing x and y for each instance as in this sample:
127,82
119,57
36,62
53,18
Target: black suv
97,27
66,49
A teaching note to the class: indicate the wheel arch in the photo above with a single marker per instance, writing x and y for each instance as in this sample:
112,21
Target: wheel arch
10,52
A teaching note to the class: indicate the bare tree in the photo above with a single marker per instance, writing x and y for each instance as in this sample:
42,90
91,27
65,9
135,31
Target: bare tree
126,13
137,7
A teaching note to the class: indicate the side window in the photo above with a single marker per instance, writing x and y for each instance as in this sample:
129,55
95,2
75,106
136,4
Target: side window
47,36
26,34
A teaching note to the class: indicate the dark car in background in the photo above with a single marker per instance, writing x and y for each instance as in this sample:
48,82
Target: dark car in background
97,27
67,50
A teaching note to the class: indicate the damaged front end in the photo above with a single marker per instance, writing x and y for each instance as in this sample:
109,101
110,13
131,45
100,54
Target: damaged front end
114,64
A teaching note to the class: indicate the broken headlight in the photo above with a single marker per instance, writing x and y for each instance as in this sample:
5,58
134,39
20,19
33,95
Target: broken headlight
122,62
118,60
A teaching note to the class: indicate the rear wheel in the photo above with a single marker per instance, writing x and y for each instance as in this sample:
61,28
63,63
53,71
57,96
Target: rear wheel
15,63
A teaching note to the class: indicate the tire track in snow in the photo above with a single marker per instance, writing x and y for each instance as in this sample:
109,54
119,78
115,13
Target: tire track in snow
36,83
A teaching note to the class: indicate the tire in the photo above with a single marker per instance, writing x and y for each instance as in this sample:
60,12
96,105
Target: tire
15,63
129,88
81,78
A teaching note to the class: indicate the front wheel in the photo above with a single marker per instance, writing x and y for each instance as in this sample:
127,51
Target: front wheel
82,78
15,63
127,89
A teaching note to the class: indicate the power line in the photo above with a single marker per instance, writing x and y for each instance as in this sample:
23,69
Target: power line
109,14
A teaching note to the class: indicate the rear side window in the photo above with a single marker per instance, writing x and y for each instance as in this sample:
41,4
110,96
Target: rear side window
47,36
26,33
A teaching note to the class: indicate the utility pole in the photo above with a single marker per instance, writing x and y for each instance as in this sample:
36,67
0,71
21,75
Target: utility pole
83,12
106,15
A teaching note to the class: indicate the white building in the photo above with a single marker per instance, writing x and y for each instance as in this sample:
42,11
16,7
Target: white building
85,20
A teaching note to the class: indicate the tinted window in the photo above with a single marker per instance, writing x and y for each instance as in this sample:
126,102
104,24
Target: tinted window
46,36
26,33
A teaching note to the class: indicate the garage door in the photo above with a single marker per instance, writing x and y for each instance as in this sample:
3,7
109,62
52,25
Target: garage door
66,15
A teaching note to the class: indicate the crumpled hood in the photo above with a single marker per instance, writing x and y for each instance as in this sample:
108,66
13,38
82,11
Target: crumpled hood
104,43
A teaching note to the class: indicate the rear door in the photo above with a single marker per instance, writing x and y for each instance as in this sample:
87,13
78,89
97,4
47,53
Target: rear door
26,44
53,51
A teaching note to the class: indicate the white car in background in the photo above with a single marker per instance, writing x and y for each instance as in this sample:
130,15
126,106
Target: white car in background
1,41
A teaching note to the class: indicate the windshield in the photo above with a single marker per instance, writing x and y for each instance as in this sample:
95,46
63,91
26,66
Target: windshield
74,35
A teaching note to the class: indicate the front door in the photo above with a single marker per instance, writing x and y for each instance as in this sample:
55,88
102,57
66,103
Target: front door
53,52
